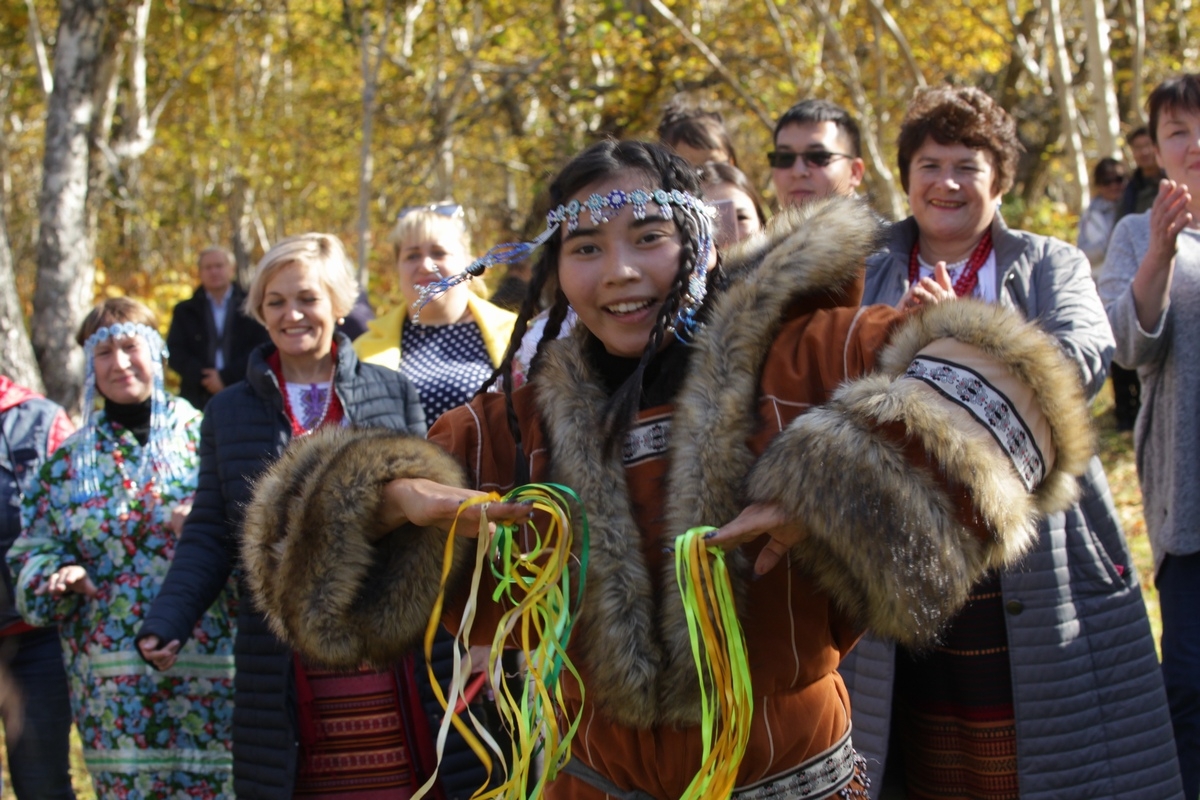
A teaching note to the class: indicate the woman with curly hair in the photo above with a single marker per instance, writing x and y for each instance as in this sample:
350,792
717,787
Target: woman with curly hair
1053,654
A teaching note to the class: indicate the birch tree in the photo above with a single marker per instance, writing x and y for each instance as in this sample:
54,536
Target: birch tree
372,47
65,267
1106,119
16,353
1061,75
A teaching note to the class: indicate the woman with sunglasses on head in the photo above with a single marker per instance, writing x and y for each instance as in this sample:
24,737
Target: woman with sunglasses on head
299,729
670,406
101,529
1053,655
449,346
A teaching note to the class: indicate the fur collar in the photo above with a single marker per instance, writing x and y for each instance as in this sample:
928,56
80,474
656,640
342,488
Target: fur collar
639,662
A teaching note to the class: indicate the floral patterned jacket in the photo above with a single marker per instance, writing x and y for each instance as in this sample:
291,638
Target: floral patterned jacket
162,732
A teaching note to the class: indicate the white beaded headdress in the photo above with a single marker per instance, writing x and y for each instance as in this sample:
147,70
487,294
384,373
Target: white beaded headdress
157,456
597,206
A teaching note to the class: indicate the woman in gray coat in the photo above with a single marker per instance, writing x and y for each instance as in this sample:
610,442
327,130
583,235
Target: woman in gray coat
1047,683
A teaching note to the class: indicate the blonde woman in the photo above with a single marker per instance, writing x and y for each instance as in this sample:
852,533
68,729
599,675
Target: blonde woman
307,377
450,348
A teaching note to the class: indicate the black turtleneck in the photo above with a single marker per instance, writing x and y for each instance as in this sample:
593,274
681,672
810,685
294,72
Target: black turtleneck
134,416
662,379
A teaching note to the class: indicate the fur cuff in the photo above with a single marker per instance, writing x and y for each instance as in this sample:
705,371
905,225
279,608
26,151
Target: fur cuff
326,582
890,539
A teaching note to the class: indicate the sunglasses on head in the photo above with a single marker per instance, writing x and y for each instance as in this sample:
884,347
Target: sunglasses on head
812,158
452,210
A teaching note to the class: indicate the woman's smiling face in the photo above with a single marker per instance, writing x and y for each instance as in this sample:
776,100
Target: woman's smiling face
617,275
298,313
950,190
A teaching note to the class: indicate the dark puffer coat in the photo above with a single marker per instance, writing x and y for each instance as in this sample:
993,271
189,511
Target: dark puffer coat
244,430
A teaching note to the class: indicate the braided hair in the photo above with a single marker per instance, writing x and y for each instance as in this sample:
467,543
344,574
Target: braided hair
664,170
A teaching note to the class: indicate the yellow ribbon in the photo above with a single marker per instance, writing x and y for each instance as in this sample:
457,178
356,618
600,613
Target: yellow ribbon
534,584
719,650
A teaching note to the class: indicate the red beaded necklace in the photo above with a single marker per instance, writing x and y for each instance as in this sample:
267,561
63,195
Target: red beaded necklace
332,411
969,277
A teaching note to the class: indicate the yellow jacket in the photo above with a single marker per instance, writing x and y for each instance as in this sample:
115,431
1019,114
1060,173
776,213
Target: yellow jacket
381,343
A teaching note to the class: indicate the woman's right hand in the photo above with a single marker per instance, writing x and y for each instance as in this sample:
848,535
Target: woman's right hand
163,658
1168,216
1152,285
71,578
426,503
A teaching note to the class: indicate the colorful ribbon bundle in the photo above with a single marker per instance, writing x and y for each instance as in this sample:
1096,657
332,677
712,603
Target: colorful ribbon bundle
534,585
719,649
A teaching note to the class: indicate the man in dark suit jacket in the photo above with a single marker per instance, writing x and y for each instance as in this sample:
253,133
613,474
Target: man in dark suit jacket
210,337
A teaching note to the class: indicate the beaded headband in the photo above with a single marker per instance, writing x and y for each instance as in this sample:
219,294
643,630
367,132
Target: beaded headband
158,456
597,206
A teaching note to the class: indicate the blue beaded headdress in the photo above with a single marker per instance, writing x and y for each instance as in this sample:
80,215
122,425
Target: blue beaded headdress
695,209
157,456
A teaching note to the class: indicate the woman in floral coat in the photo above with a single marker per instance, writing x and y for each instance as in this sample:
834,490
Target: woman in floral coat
100,531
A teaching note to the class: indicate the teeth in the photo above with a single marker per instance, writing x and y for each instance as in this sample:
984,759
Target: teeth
626,308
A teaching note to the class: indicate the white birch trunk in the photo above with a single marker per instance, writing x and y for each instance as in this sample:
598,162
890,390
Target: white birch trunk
1106,119
17,360
65,268
1139,61
1061,76
372,59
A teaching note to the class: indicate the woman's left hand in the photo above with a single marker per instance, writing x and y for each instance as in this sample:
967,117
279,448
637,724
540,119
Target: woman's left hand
754,521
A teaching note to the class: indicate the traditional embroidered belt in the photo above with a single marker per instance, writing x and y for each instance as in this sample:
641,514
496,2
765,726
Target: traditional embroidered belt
819,776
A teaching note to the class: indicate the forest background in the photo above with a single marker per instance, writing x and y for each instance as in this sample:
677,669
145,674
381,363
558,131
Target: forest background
133,133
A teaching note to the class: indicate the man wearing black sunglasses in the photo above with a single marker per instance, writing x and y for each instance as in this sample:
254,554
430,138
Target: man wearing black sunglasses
817,153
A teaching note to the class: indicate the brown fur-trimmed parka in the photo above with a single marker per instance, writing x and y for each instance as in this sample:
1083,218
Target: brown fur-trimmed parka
791,397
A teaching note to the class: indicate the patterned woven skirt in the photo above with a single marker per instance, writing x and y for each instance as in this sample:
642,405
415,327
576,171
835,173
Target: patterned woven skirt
356,748
955,708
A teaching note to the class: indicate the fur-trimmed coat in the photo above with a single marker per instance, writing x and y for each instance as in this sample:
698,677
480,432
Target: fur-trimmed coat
1086,678
744,426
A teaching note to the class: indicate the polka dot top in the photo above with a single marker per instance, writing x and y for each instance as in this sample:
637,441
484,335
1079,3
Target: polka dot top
447,363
